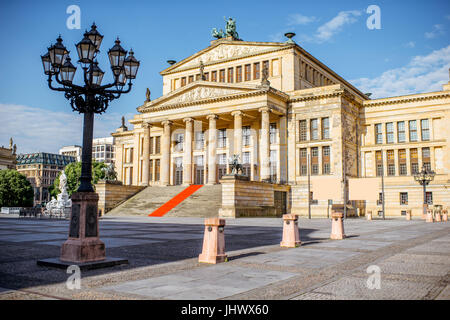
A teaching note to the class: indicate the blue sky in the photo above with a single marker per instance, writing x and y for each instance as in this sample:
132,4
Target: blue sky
410,53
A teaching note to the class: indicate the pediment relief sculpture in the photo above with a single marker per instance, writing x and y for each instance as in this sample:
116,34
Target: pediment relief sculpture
201,93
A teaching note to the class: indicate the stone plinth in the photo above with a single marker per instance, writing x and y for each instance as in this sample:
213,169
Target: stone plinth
83,244
429,217
369,215
337,223
244,198
444,215
291,235
408,214
213,242
111,194
437,215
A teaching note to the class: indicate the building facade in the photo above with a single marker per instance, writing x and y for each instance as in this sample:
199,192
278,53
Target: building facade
8,156
103,150
41,169
291,120
73,151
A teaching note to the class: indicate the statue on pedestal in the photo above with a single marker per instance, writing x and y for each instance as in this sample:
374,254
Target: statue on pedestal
235,166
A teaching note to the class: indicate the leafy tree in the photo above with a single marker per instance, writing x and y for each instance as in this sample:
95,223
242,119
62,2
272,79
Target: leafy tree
15,189
73,173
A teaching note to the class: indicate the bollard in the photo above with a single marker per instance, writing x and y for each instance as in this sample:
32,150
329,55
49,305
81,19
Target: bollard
213,242
337,224
429,216
408,214
369,215
291,235
437,215
444,215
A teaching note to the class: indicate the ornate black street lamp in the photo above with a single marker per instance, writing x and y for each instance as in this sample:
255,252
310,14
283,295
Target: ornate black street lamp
89,98
424,177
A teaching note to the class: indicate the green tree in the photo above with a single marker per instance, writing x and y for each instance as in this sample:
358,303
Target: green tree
15,189
73,173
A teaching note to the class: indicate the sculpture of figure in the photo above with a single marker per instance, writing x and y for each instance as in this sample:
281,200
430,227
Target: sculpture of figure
147,95
14,148
123,126
62,182
265,76
110,173
202,68
230,29
235,165
217,34
10,143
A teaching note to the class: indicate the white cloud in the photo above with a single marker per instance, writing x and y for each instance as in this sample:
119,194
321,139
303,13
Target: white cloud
277,37
410,44
422,74
438,30
298,19
326,31
37,129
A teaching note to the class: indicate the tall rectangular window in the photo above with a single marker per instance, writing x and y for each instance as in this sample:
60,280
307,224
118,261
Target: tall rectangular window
199,140
246,135
314,129
402,162
325,128
379,163
273,165
414,160
412,130
401,131
239,74
403,198
378,134
426,160
206,74
314,160
326,160
273,133
222,138
150,170
248,73
265,65
179,139
390,132
303,162
222,75
390,162
429,197
214,76
151,145
157,169
183,81
256,70
191,79
303,130
230,75
158,145
425,129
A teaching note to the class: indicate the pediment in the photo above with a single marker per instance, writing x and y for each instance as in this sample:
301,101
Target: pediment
198,92
222,51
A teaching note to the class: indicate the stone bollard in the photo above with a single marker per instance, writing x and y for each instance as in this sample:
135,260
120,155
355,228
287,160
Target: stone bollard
291,235
408,214
213,242
337,224
369,215
437,215
429,216
444,215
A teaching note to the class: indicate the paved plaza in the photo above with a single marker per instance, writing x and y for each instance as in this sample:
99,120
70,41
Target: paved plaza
413,257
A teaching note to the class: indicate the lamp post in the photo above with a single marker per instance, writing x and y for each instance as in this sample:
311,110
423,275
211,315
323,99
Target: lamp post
424,177
83,244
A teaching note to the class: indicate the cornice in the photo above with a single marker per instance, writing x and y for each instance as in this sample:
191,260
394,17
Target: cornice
407,99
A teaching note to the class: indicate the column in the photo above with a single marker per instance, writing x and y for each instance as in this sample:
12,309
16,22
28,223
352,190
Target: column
212,145
264,155
146,154
187,156
237,133
165,153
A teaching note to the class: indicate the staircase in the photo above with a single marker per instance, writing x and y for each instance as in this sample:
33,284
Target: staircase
205,202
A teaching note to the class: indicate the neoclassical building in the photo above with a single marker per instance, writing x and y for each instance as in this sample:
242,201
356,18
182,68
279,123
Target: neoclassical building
291,119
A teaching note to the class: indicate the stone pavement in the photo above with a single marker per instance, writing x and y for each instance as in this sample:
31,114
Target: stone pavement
413,257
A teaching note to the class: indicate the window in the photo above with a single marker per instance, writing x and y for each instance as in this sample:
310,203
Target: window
326,160
429,197
389,132
256,70
157,169
223,159
412,130
239,74
265,65
273,165
206,74
378,134
199,140
179,138
314,130
222,138
273,133
303,162
230,75
222,75
191,79
414,159
325,128
379,163
404,198
158,145
183,81
214,76
380,198
246,158
246,135
425,130
302,134
402,162
390,162
314,160
152,144
426,158
247,72
401,131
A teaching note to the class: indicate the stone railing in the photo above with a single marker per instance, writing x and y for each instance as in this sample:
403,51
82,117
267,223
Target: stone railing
112,194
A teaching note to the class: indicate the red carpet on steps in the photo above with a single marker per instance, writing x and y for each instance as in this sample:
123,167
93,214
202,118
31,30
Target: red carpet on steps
172,203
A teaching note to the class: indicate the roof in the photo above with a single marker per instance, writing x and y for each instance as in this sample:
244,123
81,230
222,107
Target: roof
44,158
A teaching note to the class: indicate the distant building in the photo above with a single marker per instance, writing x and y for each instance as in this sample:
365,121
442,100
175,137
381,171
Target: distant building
103,150
8,156
73,151
41,169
